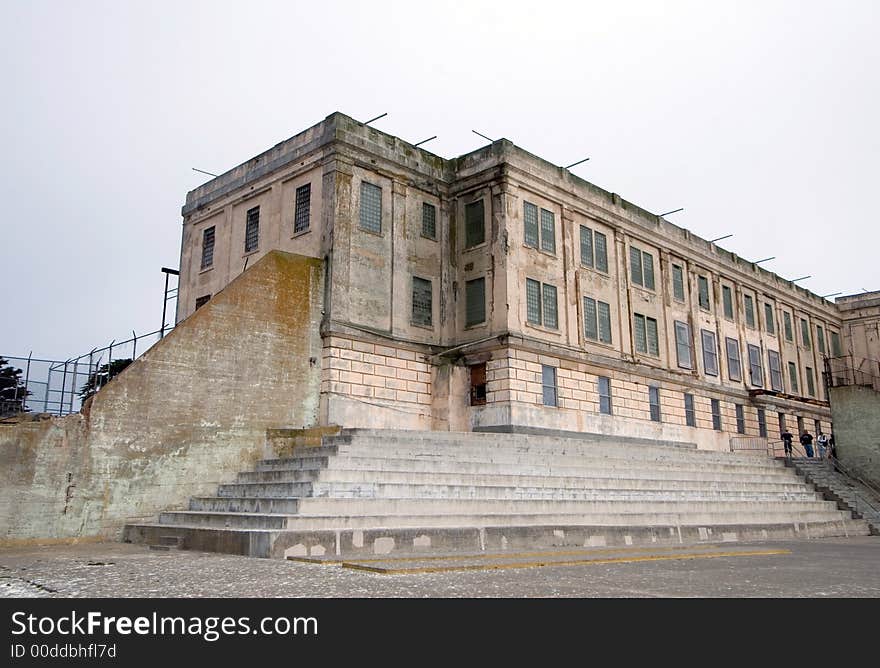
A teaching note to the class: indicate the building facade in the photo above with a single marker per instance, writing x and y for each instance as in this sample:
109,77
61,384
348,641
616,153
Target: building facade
496,290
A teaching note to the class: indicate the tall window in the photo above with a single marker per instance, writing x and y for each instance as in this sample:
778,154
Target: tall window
597,320
805,334
683,350
786,325
740,419
478,384
677,283
475,301
775,365
768,319
645,334
474,224
208,248
641,268
811,381
302,210
734,366
710,352
429,221
727,301
835,343
594,249
690,415
548,231
252,230
716,415
541,308
749,306
756,368
530,224
548,384
421,302
703,292
605,395
370,218
793,377
820,339
654,401
762,422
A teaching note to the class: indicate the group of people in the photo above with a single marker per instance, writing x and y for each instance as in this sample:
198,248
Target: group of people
825,443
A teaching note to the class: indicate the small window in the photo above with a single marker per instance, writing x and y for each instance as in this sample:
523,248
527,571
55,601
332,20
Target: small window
605,395
740,419
786,323
475,301
690,415
371,208
208,247
768,319
756,368
703,292
429,221
805,334
302,211
601,244
422,302
641,268
551,317
811,381
548,231
587,246
604,322
478,384
645,334
793,377
734,364
710,352
835,343
654,401
533,301
541,306
597,320
252,230
677,283
727,301
548,384
683,345
820,339
474,224
201,301
775,365
716,415
545,236
749,306
530,225
762,422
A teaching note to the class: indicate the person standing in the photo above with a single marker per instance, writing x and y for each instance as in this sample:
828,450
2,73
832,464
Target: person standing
787,437
822,442
807,442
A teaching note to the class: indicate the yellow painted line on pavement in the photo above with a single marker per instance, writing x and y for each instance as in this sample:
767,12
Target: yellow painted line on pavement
574,562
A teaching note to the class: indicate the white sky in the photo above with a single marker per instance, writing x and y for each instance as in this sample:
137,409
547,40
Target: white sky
760,118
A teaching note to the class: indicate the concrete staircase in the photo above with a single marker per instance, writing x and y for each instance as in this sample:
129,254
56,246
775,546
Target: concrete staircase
368,492
837,486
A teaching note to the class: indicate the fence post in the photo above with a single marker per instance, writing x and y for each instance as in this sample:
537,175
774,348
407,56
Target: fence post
63,385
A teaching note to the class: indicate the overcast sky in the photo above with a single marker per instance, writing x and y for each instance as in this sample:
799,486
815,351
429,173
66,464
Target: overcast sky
759,118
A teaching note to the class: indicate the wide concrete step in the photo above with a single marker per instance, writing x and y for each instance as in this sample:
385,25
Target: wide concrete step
662,517
443,506
490,487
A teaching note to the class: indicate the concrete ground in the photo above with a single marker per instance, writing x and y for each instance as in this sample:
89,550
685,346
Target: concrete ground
822,568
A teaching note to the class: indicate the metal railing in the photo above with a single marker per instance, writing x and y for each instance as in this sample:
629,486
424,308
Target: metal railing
850,370
750,444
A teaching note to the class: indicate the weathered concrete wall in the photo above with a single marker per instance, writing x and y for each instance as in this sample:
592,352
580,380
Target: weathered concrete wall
855,411
188,414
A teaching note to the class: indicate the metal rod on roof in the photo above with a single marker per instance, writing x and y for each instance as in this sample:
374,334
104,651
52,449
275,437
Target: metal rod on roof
764,260
203,171
726,236
833,294
375,119
482,135
794,280
575,163
670,212
425,140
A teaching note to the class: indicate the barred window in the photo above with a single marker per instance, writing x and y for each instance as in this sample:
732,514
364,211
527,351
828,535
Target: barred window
548,385
252,230
551,318
820,339
429,221
768,319
654,401
703,292
683,350
541,306
793,377
805,334
475,301
749,306
775,364
690,415
734,364
710,352
601,243
604,322
302,211
533,301
677,283
740,419
716,415
530,224
756,368
645,332
371,208
762,422
641,267
835,343
545,236
422,302
786,322
474,224
605,395
208,247
586,246
811,381
548,231
727,301
597,320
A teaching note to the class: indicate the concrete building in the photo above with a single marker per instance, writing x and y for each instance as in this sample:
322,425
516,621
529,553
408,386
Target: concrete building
498,291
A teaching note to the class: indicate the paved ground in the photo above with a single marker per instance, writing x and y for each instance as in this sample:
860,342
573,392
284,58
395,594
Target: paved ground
837,568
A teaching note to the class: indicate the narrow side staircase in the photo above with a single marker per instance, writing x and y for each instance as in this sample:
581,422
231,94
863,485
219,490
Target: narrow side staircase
836,485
